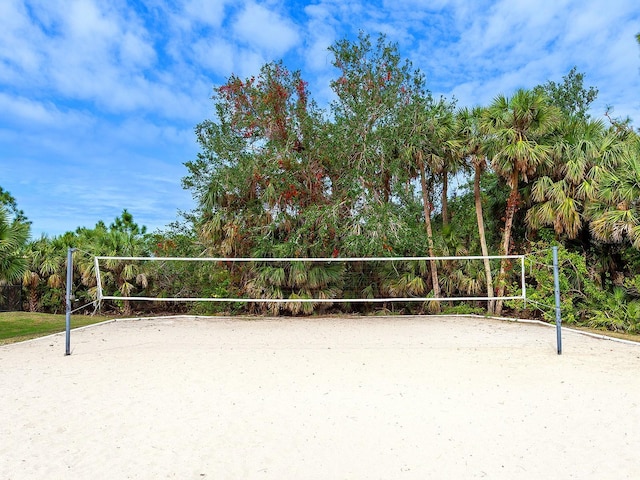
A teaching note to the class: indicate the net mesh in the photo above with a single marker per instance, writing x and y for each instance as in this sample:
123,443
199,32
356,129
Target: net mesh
300,284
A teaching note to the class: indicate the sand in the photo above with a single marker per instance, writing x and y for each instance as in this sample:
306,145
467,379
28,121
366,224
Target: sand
322,398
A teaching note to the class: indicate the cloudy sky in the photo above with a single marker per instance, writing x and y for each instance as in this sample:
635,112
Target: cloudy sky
99,98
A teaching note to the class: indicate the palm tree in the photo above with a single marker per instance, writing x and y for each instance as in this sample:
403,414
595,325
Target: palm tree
614,207
582,150
13,236
451,154
473,148
120,275
426,129
517,127
31,277
45,264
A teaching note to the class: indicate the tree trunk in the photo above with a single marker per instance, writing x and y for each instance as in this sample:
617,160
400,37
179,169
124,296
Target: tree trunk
127,308
427,222
483,240
512,204
445,201
33,299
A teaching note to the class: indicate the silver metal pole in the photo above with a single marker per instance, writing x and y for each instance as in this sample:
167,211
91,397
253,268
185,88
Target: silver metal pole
68,313
556,288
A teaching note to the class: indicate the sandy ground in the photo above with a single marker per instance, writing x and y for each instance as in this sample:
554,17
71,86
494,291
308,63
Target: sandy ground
322,398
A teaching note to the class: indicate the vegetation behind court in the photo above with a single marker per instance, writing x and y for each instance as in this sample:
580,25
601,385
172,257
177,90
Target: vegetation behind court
371,175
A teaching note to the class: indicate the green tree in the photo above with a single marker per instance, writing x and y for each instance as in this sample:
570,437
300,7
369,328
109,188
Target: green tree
263,182
583,150
45,274
373,84
9,202
259,166
614,207
13,237
124,238
371,177
570,96
517,128
426,128
473,144
124,223
277,177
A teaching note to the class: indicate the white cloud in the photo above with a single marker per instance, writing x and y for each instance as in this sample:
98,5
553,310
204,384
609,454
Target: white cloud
136,52
18,38
85,21
27,112
321,34
248,63
214,54
210,12
265,30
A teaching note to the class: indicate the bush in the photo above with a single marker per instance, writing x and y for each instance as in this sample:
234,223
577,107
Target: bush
579,292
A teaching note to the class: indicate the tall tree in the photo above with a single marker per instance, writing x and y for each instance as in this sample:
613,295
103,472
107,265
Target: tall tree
426,128
258,167
453,152
517,128
377,96
472,139
125,223
372,86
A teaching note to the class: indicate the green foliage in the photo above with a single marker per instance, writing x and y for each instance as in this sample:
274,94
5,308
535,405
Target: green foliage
13,237
570,95
210,282
617,312
8,202
614,203
580,293
464,227
295,280
125,224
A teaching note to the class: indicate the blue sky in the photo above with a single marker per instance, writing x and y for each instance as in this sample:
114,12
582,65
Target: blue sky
99,98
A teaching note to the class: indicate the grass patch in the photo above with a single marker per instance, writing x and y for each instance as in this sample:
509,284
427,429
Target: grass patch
621,335
19,326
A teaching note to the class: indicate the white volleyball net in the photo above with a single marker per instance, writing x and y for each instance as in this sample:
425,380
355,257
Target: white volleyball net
301,284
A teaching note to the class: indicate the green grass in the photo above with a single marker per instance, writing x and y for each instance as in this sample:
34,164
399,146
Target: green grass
621,335
19,326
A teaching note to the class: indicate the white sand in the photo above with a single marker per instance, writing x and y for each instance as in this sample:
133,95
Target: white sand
325,398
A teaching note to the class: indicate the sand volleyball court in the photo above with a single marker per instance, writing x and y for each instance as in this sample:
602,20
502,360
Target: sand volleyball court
321,398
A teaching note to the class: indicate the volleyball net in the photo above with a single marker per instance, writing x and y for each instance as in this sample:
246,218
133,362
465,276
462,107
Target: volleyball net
305,285
304,282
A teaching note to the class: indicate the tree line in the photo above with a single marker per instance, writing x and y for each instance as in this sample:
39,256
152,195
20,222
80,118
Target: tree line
387,169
